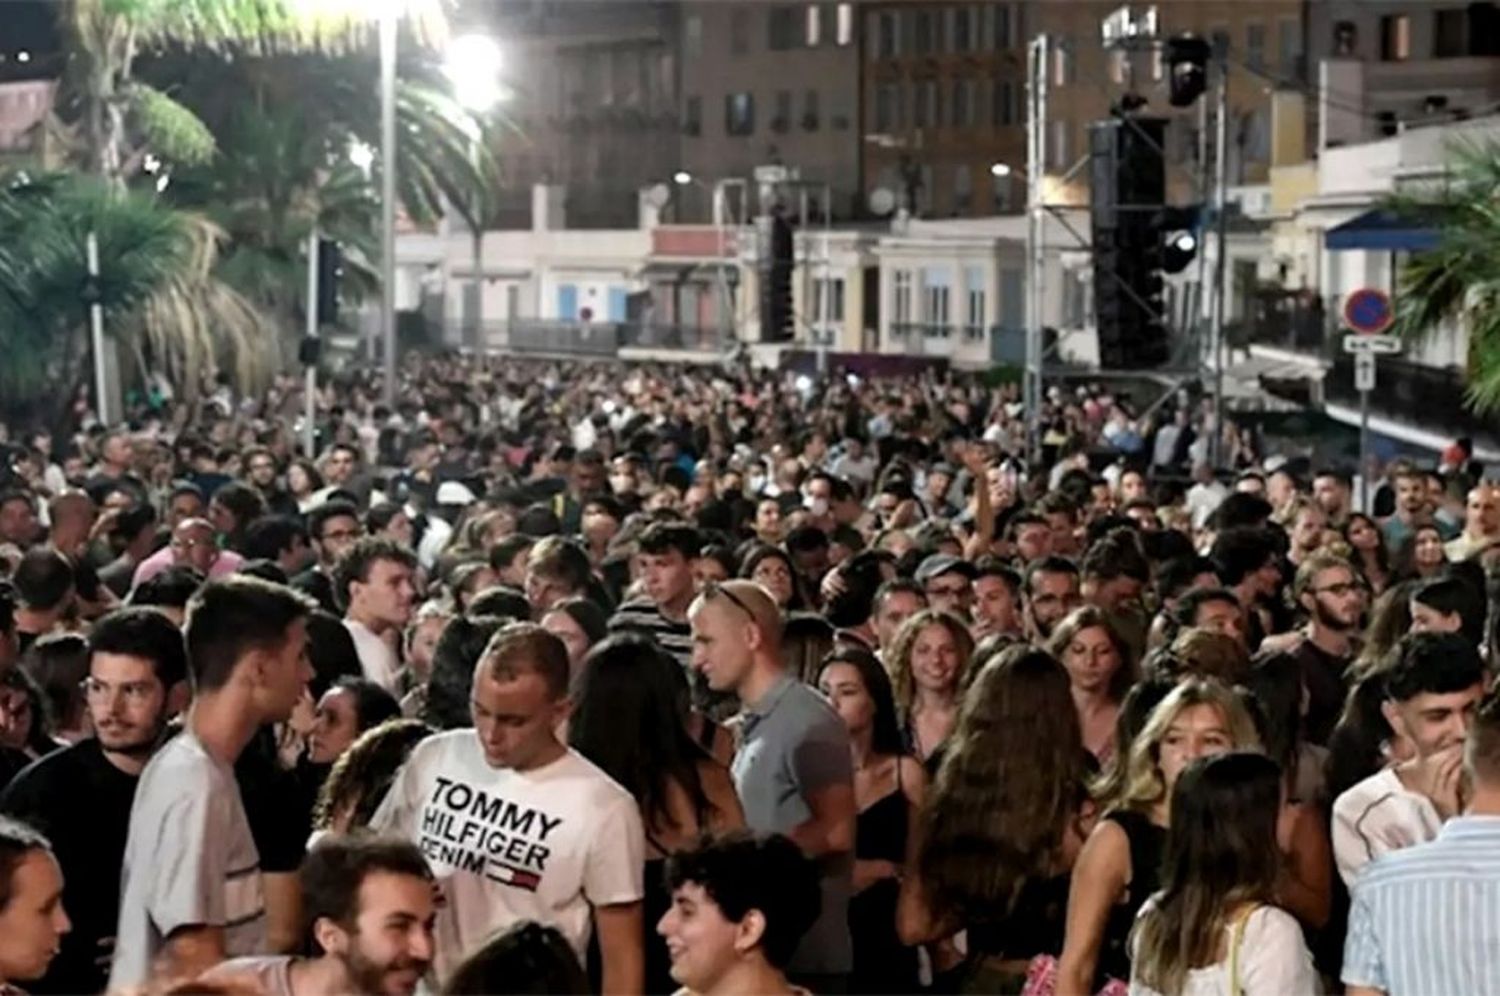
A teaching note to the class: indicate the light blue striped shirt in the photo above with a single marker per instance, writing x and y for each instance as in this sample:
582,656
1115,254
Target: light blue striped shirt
1425,920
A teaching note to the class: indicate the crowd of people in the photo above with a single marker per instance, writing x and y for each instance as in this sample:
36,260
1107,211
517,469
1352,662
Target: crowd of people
612,678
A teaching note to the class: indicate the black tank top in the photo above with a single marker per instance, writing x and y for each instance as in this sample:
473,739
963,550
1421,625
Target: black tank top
1147,844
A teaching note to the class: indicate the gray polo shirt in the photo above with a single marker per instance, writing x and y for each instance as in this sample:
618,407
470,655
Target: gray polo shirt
793,743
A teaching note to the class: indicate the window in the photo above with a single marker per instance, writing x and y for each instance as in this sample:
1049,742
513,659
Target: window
963,188
810,111
1345,39
1057,146
1062,64
885,108
963,103
935,293
1395,38
814,35
1000,21
1255,45
692,36
1450,31
781,28
1000,193
828,300
924,34
692,116
1218,40
1003,104
739,113
888,34
974,291
1119,61
901,303
739,31
924,189
845,27
924,106
783,119
963,29
1289,49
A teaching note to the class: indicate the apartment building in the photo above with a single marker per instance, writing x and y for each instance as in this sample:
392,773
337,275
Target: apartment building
769,84
944,105
1265,44
596,101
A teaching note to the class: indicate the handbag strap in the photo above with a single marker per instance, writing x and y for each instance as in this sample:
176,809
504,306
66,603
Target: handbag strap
1236,941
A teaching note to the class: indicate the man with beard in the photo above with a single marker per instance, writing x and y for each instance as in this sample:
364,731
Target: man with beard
1052,591
80,797
1331,595
369,902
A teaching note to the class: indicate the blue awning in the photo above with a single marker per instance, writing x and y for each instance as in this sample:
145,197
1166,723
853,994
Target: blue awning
1383,230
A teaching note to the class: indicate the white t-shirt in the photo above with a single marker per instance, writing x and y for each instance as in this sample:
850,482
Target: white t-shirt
376,657
1273,961
1378,815
508,846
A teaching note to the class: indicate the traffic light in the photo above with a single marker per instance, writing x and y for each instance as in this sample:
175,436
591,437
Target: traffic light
1187,69
776,263
1128,181
330,269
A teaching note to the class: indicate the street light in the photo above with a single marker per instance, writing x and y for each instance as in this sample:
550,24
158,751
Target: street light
682,178
1000,169
471,66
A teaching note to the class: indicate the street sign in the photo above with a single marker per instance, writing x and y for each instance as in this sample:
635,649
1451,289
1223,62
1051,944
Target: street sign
1385,345
1364,371
1368,311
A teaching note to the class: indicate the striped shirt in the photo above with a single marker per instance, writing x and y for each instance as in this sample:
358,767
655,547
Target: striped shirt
644,617
1425,920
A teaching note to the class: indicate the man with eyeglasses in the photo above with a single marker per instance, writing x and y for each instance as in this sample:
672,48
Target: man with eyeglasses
1328,590
948,582
262,474
793,771
193,545
80,797
333,528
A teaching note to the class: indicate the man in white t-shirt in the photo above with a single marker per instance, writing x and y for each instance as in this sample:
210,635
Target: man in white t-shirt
519,827
375,579
1432,692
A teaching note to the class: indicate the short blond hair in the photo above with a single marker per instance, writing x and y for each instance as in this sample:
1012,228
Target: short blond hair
1143,787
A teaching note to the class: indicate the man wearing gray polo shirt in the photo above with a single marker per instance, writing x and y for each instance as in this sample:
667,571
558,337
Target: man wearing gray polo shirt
793,771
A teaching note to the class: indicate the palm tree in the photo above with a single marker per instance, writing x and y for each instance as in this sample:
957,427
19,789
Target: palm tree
158,302
1459,281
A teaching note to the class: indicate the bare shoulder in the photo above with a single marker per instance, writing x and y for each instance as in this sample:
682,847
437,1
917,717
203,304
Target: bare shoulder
913,780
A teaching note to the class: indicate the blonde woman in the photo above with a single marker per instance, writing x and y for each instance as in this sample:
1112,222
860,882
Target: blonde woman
1119,866
928,662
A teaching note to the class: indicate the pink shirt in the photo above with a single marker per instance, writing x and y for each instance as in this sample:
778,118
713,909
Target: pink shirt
227,563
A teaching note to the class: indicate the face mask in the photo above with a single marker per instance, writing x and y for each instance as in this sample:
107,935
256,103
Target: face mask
818,506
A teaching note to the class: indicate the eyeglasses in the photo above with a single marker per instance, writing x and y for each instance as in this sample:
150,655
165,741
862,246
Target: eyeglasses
1342,588
342,534
714,589
134,692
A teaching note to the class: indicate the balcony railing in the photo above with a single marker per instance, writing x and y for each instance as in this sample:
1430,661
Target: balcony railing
1296,322
553,336
1432,397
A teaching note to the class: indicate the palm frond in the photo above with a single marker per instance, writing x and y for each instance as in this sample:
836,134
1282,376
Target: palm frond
173,131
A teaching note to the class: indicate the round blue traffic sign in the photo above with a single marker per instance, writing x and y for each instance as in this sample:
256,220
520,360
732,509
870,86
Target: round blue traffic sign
1368,311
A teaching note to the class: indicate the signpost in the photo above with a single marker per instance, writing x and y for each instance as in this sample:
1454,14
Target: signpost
1368,313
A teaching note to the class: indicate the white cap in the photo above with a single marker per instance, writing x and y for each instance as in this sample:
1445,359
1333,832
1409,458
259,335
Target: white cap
454,493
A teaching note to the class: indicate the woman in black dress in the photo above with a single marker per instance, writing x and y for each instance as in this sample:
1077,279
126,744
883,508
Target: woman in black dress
1002,823
630,720
888,787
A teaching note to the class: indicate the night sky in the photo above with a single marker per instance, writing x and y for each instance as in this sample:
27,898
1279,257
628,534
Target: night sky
27,26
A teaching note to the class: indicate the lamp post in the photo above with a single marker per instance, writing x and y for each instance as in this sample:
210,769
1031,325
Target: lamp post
388,14
470,65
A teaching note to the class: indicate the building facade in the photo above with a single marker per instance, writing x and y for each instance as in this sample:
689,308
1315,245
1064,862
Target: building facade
769,84
944,106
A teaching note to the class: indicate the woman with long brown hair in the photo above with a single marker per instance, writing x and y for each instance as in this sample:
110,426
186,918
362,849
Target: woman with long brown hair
1100,672
1002,823
928,662
1119,866
1370,555
1215,927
